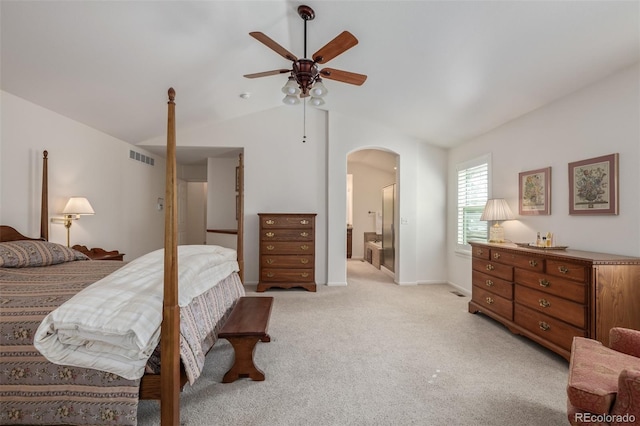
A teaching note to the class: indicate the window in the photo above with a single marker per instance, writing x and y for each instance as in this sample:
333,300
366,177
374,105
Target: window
473,191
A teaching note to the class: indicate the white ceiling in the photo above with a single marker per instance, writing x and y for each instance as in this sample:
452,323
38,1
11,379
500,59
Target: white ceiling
441,71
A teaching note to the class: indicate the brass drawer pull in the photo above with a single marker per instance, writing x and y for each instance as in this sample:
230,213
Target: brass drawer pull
533,263
270,234
479,252
544,303
270,222
270,247
304,234
490,267
489,300
304,247
496,255
304,222
304,275
270,261
544,326
563,269
304,261
270,274
489,283
544,283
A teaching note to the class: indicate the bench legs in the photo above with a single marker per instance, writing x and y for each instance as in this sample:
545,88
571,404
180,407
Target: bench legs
243,365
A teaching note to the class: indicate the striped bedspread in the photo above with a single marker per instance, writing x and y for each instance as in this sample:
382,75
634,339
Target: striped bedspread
35,391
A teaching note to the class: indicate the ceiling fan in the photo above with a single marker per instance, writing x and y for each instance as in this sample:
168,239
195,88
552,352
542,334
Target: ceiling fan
305,78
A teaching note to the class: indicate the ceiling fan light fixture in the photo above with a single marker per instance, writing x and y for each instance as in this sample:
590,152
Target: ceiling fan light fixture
291,87
291,100
318,90
316,101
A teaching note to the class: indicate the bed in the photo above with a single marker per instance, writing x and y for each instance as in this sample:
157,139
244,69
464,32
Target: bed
34,390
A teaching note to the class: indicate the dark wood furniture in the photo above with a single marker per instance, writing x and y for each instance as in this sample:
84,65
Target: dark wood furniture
247,324
550,296
97,253
349,241
287,250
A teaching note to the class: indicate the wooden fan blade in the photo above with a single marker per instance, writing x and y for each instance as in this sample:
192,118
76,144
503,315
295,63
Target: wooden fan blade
343,42
266,73
343,76
264,39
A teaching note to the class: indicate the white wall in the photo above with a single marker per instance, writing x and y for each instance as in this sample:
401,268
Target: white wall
85,162
598,120
422,171
281,173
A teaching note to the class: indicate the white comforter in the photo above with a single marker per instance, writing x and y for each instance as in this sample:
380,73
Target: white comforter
114,324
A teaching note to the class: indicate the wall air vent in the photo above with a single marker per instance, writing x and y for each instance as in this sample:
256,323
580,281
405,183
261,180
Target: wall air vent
141,157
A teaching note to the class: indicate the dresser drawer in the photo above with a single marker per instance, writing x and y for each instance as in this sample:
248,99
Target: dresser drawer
287,275
280,221
284,261
280,247
572,271
494,285
480,252
492,302
287,235
493,268
553,285
547,327
524,261
571,312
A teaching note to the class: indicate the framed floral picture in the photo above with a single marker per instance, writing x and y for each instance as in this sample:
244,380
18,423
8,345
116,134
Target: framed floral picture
535,192
593,186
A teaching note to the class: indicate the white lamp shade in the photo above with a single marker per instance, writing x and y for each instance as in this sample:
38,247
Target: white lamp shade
316,101
496,209
291,100
78,206
318,90
291,88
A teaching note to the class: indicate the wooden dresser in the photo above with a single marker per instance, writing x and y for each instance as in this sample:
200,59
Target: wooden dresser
550,296
287,250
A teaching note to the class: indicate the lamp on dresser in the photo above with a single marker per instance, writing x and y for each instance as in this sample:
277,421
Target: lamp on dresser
496,210
76,207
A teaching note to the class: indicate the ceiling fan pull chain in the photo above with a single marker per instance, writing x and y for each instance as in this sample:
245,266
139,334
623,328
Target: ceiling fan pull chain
304,122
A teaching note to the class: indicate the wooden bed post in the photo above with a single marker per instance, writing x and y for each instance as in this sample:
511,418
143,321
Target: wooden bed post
240,236
170,330
44,203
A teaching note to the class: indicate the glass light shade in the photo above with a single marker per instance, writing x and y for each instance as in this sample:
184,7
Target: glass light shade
78,206
291,88
318,90
316,101
291,100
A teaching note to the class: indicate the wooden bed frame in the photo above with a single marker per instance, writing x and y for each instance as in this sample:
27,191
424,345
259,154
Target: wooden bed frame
167,385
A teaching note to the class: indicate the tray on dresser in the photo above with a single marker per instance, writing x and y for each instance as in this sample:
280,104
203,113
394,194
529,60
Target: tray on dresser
532,245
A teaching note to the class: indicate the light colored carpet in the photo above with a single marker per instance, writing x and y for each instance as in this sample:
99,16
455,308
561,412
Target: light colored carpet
375,353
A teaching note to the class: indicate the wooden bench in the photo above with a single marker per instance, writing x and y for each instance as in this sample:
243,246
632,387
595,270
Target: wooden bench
246,325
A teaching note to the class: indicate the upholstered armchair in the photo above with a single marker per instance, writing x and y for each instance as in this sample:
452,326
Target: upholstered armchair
604,383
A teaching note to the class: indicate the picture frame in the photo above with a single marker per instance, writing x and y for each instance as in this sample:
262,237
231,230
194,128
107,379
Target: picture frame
593,186
534,194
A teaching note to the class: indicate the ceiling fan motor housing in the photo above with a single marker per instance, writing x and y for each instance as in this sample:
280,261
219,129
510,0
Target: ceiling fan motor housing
305,72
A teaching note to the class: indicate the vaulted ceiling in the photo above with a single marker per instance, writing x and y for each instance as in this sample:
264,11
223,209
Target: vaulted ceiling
441,71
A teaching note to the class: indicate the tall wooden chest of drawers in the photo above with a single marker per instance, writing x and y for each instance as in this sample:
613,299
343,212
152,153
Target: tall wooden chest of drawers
287,250
550,296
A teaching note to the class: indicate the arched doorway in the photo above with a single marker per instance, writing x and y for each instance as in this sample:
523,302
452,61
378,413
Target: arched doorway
372,207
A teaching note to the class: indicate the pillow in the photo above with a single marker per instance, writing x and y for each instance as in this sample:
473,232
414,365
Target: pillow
25,253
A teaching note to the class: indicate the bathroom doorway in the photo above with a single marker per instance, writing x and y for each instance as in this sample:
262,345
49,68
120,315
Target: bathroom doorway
369,237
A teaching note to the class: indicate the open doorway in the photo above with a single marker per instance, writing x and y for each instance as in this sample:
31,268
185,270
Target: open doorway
372,228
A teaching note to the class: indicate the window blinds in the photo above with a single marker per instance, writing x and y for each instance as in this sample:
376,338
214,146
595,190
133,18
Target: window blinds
473,186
